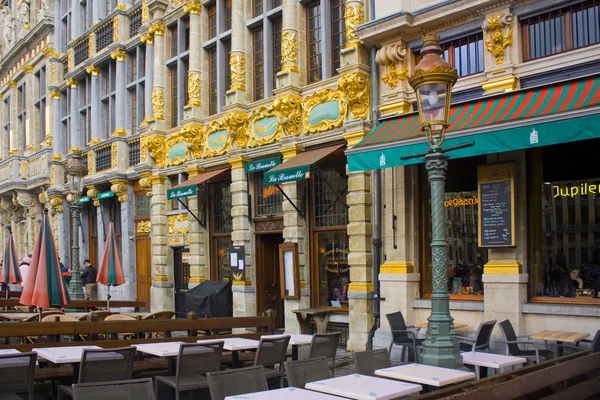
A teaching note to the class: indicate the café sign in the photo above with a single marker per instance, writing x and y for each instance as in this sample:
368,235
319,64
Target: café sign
181,192
287,175
262,165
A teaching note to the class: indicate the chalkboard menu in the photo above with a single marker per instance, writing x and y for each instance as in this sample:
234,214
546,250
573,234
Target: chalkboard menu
496,223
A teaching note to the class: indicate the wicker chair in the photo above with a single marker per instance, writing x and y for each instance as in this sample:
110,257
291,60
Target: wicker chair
367,362
271,354
120,317
325,345
513,345
160,315
100,315
102,365
482,338
299,373
36,317
120,390
247,380
59,318
402,336
193,362
16,375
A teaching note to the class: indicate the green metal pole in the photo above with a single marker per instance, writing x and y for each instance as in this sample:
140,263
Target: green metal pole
440,347
75,288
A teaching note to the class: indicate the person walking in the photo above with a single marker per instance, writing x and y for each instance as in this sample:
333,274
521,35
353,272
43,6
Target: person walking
65,271
88,280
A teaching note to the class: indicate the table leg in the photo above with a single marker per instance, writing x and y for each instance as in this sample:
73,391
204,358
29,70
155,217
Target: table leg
304,322
172,365
559,350
294,352
235,359
321,321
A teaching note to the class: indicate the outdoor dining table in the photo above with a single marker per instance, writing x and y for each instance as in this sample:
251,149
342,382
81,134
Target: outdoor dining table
559,337
296,340
289,393
235,345
168,350
64,355
425,374
364,387
9,351
489,360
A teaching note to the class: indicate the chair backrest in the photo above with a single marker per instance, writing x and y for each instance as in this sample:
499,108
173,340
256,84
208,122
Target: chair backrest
366,362
299,373
596,342
160,315
120,317
17,372
118,390
99,315
59,318
36,317
397,325
272,351
484,333
103,365
510,336
233,382
199,358
324,345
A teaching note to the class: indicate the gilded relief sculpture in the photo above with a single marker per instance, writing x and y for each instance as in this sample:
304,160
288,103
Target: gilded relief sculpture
155,146
354,16
356,88
194,88
497,41
289,51
158,103
289,110
237,62
237,123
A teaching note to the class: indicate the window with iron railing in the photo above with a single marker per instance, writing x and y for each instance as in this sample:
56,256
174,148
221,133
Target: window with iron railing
103,159
561,30
104,36
269,199
81,51
134,153
135,21
465,54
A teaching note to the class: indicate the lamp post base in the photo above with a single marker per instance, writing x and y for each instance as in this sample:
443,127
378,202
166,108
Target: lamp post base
75,287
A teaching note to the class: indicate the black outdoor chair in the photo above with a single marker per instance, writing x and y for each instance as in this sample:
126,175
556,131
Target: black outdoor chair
117,390
102,365
16,375
594,344
271,354
402,336
193,362
513,345
367,362
233,382
325,345
482,338
299,373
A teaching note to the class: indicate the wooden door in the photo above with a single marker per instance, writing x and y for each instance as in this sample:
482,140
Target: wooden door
92,234
143,266
268,280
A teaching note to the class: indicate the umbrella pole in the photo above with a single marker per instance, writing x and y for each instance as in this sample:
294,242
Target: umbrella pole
40,310
108,299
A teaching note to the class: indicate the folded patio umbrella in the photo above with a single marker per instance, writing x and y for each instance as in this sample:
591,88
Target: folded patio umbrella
10,268
111,270
45,287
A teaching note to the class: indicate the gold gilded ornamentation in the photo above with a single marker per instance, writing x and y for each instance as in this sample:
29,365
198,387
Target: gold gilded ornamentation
119,55
52,73
289,51
92,193
237,122
277,134
72,83
289,109
216,126
354,16
158,29
12,84
23,169
95,140
158,102
193,7
28,69
56,205
120,132
91,45
155,146
143,149
356,89
191,135
145,13
179,218
119,188
116,29
13,152
90,161
497,41
70,59
143,227
55,94
393,76
114,155
147,38
237,62
194,88
93,70
52,176
317,98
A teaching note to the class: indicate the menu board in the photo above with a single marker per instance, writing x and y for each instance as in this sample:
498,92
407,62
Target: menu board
496,222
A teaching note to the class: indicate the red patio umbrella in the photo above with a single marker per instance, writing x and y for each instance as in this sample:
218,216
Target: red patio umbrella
10,268
111,270
45,286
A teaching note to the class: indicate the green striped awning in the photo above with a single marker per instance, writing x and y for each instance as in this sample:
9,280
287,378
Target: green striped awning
298,168
542,116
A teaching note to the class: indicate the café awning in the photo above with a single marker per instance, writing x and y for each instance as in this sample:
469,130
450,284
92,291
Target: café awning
559,113
298,168
190,187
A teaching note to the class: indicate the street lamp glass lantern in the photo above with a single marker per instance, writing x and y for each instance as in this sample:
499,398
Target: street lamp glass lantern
75,171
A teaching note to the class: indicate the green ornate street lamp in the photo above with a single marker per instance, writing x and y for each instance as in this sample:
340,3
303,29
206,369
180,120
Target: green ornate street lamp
432,81
75,170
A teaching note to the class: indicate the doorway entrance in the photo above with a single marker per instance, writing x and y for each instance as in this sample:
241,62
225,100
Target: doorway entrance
268,279
181,272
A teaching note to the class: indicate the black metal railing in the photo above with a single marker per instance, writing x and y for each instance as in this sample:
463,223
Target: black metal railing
81,52
104,36
134,153
135,21
84,160
103,159
65,66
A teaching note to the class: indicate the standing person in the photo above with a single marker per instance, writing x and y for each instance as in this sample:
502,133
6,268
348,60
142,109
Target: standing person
66,272
88,280
24,271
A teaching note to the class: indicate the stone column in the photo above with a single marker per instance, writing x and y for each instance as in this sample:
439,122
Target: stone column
32,137
158,85
125,195
295,231
290,60
360,259
97,11
96,133
74,132
161,293
15,148
76,20
244,292
148,39
194,84
121,93
197,236
237,92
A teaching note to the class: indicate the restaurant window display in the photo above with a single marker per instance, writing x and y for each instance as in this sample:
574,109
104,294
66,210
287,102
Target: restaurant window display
330,187
221,227
465,258
566,223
